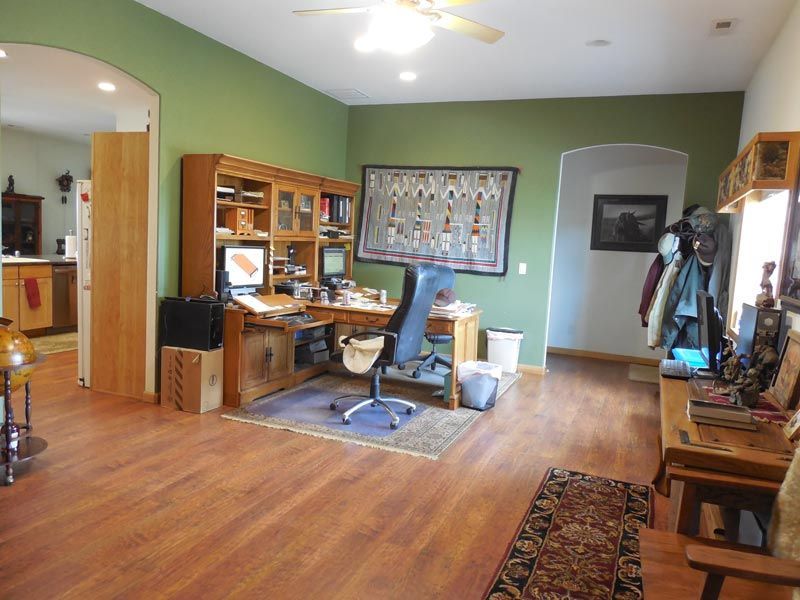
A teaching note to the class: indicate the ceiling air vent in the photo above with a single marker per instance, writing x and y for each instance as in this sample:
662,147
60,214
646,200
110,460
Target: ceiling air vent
723,26
347,94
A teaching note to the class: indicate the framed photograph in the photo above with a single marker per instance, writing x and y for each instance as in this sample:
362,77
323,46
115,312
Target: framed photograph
792,428
628,223
785,386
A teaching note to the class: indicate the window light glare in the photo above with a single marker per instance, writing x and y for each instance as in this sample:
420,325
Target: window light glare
408,76
107,86
3,53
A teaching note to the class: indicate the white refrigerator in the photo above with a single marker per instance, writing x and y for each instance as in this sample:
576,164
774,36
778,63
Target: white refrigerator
84,259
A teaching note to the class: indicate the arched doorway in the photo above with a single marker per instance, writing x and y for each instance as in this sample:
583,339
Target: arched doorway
595,295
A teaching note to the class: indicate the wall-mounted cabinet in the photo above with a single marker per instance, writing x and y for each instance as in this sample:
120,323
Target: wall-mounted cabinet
234,201
768,163
22,224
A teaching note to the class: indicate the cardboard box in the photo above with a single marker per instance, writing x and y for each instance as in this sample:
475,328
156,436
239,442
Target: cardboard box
191,380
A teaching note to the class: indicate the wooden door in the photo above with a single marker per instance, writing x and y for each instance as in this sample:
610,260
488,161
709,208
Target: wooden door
281,355
253,368
307,213
11,302
286,205
120,165
41,316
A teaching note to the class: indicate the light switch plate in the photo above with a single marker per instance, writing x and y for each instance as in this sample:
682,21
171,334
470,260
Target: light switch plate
523,268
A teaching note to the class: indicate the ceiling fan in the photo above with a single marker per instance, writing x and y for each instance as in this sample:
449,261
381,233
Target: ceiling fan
419,13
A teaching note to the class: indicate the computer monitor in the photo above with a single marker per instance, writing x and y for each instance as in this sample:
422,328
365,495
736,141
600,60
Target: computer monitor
709,324
333,262
245,267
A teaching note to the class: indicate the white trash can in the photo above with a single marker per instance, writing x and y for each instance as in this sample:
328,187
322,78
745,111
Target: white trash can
503,347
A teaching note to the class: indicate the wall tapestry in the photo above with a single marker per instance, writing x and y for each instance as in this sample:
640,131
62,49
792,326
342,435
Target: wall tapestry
454,216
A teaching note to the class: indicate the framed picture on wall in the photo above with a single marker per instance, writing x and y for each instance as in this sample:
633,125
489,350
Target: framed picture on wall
628,223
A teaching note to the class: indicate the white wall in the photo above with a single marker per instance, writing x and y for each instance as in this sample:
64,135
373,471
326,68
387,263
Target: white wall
595,295
36,160
772,99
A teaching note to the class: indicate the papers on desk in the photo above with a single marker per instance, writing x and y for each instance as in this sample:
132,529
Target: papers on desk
456,309
365,304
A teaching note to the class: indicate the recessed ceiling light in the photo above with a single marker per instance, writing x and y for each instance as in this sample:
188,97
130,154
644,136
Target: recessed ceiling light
107,86
3,53
408,76
598,43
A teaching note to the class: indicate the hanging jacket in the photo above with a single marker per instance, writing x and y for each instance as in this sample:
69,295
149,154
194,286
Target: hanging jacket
721,269
649,288
656,315
679,325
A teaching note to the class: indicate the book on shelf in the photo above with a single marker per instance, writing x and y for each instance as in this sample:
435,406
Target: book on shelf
714,410
340,207
724,423
226,193
324,208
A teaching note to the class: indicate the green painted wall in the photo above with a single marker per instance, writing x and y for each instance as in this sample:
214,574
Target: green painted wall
532,135
213,99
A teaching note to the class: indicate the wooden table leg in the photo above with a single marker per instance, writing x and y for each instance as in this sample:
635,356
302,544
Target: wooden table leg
688,519
730,519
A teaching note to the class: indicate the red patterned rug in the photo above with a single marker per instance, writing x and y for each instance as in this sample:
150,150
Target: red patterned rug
580,539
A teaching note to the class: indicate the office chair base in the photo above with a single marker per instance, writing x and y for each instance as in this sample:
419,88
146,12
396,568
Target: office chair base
374,399
431,360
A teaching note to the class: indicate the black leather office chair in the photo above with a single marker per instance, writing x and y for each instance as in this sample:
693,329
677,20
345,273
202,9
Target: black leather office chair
402,336
446,280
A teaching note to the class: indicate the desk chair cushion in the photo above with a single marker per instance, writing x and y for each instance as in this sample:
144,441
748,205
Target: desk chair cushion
439,338
784,534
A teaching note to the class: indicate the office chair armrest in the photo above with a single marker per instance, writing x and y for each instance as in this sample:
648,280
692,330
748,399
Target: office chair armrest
723,562
389,338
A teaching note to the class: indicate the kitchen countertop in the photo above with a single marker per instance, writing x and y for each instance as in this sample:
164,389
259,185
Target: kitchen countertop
53,259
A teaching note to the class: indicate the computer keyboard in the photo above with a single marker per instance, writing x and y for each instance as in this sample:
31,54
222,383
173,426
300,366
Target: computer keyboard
675,369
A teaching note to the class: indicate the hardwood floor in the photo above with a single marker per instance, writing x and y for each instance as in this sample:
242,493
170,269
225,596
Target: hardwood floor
135,500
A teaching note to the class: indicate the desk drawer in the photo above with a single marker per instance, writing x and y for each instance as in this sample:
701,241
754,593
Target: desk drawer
438,326
338,316
377,321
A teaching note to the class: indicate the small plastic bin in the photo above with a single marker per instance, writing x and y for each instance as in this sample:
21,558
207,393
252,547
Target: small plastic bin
503,347
479,382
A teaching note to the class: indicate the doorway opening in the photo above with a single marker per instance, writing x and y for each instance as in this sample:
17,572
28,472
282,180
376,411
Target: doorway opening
56,106
595,294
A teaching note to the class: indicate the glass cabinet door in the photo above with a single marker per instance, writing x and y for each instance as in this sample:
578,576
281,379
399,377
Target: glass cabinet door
286,208
305,213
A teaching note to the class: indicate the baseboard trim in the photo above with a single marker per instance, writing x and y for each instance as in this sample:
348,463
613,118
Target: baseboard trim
532,369
153,397
637,360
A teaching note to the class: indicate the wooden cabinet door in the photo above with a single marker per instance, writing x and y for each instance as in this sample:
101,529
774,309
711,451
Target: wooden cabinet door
286,206
42,315
307,213
11,302
253,368
281,345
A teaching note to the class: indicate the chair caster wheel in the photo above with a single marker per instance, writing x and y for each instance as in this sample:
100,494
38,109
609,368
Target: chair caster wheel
393,425
374,404
409,411
401,366
346,420
416,374
333,406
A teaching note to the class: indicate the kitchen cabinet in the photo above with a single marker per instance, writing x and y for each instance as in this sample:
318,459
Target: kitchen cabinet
15,298
22,223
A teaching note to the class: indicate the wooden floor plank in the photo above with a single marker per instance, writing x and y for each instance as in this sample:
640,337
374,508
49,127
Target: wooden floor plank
134,500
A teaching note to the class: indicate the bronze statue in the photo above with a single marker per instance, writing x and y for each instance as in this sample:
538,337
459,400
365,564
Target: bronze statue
10,188
766,299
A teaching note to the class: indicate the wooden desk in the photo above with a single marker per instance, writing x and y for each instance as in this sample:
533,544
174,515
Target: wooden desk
259,351
730,467
464,329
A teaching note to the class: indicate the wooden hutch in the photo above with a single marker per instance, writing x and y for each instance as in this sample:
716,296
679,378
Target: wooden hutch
267,205
22,223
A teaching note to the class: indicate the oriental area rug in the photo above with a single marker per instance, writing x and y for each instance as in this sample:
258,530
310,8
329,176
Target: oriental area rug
428,432
580,539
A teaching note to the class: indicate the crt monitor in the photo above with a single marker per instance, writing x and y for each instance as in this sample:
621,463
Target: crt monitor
709,324
333,262
245,266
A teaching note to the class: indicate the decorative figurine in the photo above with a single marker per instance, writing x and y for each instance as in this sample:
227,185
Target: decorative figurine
65,185
766,299
10,188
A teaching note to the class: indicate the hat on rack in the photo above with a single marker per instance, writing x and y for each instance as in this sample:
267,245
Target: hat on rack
444,297
705,248
703,221
667,246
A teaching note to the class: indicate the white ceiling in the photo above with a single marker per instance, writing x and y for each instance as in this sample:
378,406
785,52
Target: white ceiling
658,47
52,91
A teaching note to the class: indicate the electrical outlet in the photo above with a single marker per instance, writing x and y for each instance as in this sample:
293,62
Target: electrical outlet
523,268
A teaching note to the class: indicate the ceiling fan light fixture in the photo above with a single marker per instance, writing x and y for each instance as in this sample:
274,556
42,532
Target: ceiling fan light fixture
396,30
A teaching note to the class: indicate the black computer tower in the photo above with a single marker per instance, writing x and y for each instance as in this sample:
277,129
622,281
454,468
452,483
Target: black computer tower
192,323
758,326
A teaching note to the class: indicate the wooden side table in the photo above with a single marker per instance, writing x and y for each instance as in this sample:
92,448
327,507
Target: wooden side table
17,447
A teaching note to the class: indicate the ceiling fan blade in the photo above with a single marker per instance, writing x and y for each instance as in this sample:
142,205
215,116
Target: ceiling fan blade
448,3
464,26
332,11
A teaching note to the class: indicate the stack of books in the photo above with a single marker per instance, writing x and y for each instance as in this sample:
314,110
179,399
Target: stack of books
226,192
721,414
335,209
